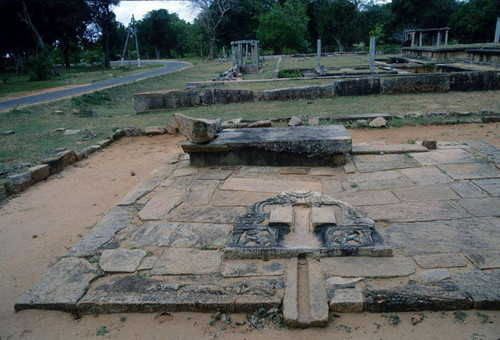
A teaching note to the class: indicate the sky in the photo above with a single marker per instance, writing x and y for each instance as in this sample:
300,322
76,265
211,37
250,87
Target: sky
125,9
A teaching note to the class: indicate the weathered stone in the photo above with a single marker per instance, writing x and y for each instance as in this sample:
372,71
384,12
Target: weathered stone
338,281
300,92
121,260
226,96
416,84
362,123
281,214
294,171
154,130
426,193
142,294
218,174
361,198
322,215
7,133
197,130
430,144
295,121
435,275
481,286
379,180
439,295
454,236
276,186
440,261
153,179
182,235
182,172
414,115
172,127
366,116
467,189
446,156
427,176
482,207
438,114
322,171
147,263
313,121
204,214
252,268
473,81
485,259
179,261
72,132
102,232
39,172
347,301
357,86
470,170
381,267
104,142
162,203
228,198
370,163
378,122
19,182
60,161
261,124
61,288
360,149
492,186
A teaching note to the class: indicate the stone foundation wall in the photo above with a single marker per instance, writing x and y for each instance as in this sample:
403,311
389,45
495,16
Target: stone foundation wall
443,82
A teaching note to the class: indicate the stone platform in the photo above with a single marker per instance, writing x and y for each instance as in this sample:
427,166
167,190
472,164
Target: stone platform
277,146
385,233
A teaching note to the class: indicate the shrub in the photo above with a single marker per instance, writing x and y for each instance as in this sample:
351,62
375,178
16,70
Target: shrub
39,68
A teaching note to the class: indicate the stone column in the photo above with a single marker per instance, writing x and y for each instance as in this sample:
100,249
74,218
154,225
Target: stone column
255,53
446,38
439,38
240,54
412,39
497,32
233,55
246,50
419,39
318,54
372,54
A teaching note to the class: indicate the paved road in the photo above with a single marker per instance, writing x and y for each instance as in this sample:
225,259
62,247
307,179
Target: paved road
169,66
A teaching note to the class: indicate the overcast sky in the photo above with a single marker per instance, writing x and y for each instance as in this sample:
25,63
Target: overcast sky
125,9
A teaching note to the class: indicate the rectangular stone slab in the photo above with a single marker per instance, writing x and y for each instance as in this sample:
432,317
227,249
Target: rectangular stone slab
302,145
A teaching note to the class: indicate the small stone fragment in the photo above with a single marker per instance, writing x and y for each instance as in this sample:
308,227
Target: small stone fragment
7,133
19,182
72,132
378,122
417,318
172,127
435,274
313,121
261,124
347,301
197,130
362,122
430,144
121,260
154,130
295,121
39,172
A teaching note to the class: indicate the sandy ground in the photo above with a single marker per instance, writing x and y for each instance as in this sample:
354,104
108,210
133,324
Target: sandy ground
46,220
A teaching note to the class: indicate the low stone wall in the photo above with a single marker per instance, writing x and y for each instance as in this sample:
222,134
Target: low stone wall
362,86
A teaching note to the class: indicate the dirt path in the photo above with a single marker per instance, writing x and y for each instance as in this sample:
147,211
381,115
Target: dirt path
45,221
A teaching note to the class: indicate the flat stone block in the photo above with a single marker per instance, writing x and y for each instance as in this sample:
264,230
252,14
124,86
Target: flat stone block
426,175
360,198
440,261
218,174
367,149
19,182
121,260
205,214
347,301
147,263
201,192
481,286
228,198
252,268
435,275
182,235
61,288
183,261
371,163
426,193
415,211
188,171
294,171
154,130
467,189
39,172
485,259
322,171
281,214
439,296
453,236
271,186
103,231
447,156
322,215
162,203
481,207
381,267
492,186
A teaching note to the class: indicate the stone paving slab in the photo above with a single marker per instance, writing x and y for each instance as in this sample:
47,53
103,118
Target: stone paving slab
482,207
182,235
367,149
467,189
252,268
360,198
218,174
61,288
470,170
205,214
485,259
492,186
228,198
426,175
121,260
371,163
380,180
425,193
440,261
415,211
449,156
452,236
481,286
276,186
178,261
368,266
162,203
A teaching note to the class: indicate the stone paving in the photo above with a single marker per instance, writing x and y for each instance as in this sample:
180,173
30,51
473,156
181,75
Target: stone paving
170,243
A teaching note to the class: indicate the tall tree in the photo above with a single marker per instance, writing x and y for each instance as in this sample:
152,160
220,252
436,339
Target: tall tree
423,13
102,15
284,27
475,21
212,13
156,34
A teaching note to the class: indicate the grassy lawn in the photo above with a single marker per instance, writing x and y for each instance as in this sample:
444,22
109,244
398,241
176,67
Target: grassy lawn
13,85
329,62
34,126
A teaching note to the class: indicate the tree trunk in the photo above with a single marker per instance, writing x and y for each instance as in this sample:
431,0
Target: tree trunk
157,52
211,44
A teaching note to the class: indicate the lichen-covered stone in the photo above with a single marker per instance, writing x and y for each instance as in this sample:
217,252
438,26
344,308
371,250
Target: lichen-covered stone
197,130
357,86
416,84
19,182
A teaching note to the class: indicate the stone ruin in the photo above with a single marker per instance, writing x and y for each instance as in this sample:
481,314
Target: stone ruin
239,59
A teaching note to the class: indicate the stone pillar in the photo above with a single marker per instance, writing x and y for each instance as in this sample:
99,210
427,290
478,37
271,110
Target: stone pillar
224,52
246,50
412,39
233,55
372,54
240,54
255,53
439,38
446,38
497,32
318,54
419,39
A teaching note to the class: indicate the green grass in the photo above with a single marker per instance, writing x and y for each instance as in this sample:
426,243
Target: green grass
34,126
329,62
14,85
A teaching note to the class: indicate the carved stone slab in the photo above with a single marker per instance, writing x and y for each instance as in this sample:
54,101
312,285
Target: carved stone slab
319,226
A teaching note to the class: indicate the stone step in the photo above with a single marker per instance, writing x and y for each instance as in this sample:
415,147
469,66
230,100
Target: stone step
367,149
